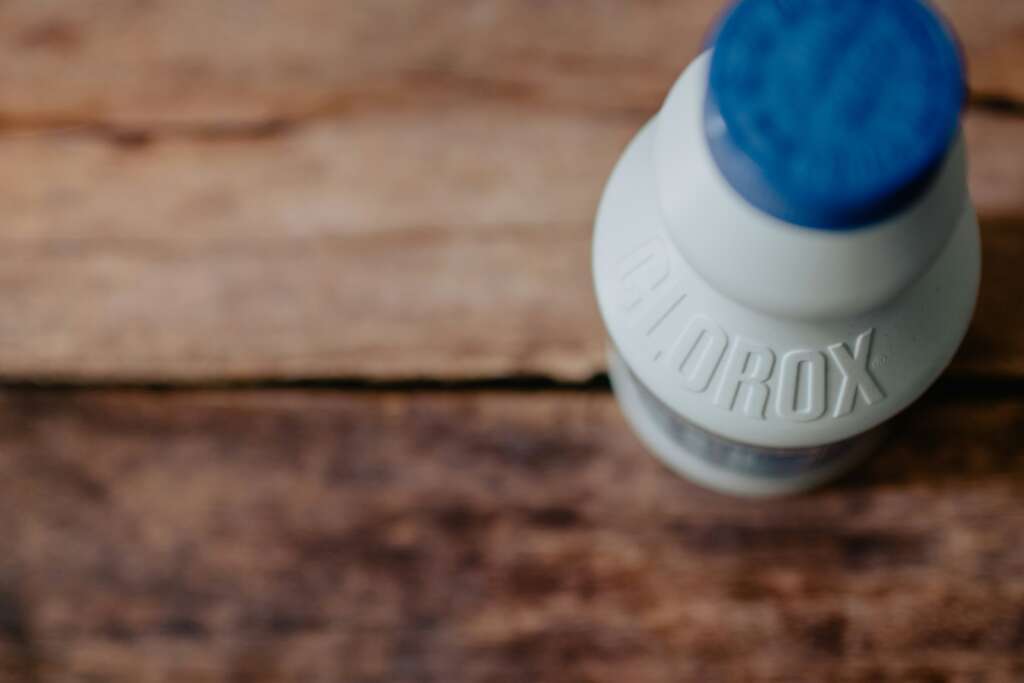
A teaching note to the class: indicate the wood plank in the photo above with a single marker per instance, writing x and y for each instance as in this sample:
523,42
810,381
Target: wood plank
287,535
239,63
992,35
450,242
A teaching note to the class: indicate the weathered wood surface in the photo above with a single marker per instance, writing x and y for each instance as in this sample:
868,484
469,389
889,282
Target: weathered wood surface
317,536
447,241
244,62
382,190
401,189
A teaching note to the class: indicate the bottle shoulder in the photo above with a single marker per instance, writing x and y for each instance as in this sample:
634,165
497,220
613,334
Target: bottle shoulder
750,373
778,267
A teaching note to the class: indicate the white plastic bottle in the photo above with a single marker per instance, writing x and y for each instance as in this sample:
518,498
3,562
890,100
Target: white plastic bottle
786,256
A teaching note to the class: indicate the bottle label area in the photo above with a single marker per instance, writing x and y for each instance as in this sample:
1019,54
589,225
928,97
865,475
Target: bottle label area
737,458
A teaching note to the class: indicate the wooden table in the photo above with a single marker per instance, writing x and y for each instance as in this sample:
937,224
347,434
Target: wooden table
303,378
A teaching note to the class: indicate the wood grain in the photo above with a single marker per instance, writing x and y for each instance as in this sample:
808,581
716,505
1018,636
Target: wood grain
240,63
449,241
292,189
286,536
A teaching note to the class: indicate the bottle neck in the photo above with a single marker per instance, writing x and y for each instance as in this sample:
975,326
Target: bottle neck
777,267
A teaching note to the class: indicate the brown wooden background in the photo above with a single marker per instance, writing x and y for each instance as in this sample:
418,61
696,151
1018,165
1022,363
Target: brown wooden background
302,372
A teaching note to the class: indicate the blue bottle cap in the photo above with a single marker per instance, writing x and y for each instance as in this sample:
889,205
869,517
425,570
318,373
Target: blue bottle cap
832,114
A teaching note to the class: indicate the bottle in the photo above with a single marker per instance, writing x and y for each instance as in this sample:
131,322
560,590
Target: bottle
786,256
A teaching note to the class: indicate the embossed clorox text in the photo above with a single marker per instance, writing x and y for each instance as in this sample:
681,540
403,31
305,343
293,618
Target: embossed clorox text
739,373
